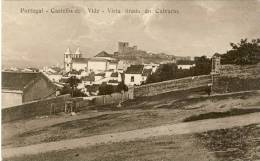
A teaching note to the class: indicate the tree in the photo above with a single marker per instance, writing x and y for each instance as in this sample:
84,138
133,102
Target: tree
163,73
105,89
121,87
71,87
243,53
202,66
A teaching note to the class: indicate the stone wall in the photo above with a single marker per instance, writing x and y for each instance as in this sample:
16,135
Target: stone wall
34,108
235,78
114,98
234,84
56,105
172,85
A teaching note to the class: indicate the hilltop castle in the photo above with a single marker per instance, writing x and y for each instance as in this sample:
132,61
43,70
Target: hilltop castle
123,48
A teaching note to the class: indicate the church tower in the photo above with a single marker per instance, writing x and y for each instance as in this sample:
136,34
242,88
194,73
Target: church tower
78,54
68,60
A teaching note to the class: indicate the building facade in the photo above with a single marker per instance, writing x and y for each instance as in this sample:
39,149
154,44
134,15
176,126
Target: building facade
133,75
100,63
21,87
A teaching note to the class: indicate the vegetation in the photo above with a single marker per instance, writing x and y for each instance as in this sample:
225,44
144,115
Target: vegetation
163,73
170,71
121,87
211,115
243,53
234,144
71,87
105,89
202,66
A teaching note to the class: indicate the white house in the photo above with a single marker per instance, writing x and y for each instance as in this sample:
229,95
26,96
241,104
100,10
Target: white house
133,75
100,63
154,67
185,66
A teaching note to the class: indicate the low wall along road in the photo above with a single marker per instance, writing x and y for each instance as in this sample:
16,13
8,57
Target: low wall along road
172,85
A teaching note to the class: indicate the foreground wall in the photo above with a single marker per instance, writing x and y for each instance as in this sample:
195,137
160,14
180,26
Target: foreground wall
172,85
234,84
234,78
56,105
114,98
35,108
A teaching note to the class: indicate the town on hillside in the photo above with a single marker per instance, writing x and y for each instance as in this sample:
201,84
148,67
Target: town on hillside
105,73
129,80
134,101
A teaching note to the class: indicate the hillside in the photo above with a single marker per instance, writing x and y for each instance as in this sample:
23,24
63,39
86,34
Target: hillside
140,56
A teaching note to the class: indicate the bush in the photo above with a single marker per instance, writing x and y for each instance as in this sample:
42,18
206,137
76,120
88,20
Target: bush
105,89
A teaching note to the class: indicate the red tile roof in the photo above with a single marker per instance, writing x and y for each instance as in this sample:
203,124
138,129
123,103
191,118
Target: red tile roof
18,80
135,69
103,54
21,80
80,60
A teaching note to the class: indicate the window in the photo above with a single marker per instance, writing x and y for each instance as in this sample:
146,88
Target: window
132,78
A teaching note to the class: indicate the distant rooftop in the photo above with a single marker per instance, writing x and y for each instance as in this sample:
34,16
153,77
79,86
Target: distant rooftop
20,80
103,54
135,69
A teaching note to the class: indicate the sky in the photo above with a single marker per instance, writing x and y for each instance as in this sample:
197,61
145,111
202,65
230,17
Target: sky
199,28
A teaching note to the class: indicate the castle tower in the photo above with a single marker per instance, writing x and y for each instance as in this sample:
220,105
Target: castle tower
122,47
68,60
216,63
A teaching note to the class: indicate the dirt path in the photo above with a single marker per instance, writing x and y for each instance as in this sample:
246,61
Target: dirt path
173,129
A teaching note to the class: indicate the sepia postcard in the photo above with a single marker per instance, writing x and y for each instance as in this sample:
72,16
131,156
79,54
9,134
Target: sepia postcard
128,80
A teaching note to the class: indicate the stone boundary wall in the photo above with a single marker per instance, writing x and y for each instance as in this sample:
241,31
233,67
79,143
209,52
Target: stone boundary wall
56,105
114,98
226,84
34,108
235,78
172,85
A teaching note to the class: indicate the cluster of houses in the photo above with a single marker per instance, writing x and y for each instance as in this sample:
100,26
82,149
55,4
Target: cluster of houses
23,85
104,68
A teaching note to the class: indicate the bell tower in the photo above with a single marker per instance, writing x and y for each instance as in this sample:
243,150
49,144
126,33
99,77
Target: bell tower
68,60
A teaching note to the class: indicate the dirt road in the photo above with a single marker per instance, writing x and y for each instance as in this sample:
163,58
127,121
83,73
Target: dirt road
173,129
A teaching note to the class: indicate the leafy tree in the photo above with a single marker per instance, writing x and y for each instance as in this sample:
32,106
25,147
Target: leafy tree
73,81
171,71
202,66
105,89
243,53
163,73
71,87
121,87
